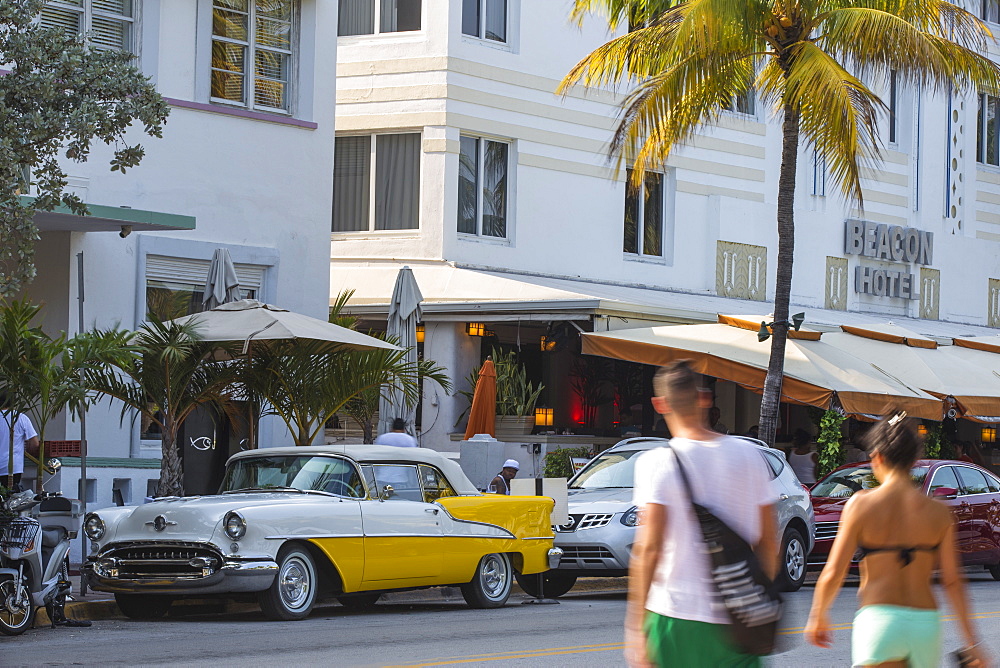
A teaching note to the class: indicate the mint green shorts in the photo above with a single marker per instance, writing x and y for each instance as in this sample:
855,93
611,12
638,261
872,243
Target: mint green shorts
896,633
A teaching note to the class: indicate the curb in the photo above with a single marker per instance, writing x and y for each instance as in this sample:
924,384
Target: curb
106,609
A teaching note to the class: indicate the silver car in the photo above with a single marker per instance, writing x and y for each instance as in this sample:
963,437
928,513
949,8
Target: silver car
597,540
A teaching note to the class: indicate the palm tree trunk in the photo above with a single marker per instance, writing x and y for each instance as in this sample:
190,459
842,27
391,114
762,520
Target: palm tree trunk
771,400
171,472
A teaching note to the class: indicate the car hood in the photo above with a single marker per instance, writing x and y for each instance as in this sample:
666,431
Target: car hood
828,509
600,500
195,518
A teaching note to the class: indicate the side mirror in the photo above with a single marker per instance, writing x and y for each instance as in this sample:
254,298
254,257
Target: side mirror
944,493
53,465
387,491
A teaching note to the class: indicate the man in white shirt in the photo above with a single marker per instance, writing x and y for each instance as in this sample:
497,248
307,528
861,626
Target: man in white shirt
670,619
398,436
25,438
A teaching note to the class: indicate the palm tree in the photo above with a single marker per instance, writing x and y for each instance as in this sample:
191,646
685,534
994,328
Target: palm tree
16,333
306,384
164,373
56,369
808,59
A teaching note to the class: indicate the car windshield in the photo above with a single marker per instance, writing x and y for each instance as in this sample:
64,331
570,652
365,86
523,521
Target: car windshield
611,469
331,475
844,483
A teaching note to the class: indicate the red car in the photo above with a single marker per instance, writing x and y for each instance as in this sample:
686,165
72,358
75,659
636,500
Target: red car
972,492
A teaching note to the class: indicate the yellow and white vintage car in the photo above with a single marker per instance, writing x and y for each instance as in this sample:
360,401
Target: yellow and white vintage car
294,525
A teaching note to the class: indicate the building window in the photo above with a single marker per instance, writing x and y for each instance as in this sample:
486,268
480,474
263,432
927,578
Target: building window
988,130
991,11
893,106
376,183
482,187
486,19
818,175
745,103
108,24
359,17
175,286
252,53
644,211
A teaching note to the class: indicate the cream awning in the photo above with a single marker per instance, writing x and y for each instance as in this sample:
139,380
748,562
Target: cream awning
815,372
920,362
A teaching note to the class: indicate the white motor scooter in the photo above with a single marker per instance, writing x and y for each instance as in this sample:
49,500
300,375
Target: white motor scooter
33,568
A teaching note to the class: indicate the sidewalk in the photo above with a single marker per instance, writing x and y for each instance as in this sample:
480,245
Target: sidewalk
97,606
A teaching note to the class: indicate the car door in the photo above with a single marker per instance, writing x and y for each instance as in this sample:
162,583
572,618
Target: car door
786,496
403,538
945,476
976,494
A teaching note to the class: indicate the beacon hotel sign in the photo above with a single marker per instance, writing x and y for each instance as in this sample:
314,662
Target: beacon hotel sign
890,243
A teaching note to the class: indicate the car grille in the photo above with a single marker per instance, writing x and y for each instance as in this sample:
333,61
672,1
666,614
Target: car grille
826,530
153,560
588,521
586,553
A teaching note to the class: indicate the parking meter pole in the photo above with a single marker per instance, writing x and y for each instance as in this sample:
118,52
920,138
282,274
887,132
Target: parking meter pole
540,591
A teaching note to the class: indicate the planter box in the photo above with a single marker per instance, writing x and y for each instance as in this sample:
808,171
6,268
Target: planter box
515,424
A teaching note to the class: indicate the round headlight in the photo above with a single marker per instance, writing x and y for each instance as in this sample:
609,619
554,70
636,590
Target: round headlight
93,526
630,517
235,526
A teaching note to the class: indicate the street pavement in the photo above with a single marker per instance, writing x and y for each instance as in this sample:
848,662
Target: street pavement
432,629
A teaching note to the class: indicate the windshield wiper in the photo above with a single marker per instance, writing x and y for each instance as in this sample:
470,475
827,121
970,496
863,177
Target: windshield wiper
265,489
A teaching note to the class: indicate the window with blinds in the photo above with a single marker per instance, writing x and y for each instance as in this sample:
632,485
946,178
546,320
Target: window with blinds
252,53
107,24
175,286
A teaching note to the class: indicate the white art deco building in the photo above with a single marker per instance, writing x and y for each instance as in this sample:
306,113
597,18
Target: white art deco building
454,156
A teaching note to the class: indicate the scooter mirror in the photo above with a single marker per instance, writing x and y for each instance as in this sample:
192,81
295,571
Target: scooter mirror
53,465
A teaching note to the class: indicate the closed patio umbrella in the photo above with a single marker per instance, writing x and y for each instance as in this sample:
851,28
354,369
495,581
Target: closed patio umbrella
815,372
483,413
404,312
222,285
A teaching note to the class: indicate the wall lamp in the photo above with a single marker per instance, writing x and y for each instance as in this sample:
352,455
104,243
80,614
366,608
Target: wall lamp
543,417
420,332
988,435
546,344
764,333
475,328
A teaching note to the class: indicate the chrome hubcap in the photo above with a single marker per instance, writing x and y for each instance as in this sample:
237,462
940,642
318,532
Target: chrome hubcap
494,576
795,560
14,612
294,583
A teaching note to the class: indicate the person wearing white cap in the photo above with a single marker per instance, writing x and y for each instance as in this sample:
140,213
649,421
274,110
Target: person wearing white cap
501,483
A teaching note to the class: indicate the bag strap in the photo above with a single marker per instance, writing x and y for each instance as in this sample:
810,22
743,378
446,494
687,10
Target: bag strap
684,477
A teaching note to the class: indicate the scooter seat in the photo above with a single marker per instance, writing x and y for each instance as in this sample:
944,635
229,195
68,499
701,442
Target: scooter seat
52,535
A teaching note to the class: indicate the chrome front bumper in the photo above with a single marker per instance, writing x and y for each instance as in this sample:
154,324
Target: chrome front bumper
234,576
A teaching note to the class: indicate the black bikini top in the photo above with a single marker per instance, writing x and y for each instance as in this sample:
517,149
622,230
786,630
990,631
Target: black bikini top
905,553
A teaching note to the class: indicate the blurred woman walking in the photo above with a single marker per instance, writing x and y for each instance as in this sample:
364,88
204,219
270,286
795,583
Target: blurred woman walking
901,537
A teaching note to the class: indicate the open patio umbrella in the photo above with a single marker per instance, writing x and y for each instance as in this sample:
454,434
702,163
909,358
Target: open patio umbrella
404,312
483,413
249,320
222,285
918,361
815,373
249,323
982,352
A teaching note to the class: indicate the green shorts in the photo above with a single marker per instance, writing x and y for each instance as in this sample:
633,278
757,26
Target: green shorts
896,633
682,642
